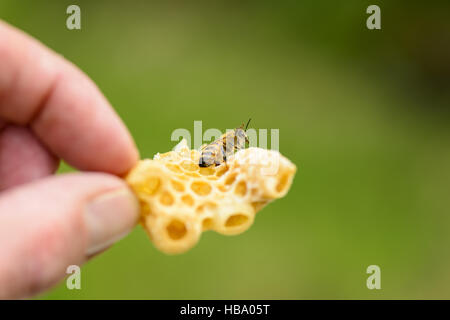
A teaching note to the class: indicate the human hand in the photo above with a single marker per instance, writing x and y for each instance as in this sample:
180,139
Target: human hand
49,110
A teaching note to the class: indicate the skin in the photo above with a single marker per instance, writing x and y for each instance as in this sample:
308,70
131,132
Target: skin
50,110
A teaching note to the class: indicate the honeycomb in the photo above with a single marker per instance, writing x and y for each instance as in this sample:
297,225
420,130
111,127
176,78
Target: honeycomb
179,200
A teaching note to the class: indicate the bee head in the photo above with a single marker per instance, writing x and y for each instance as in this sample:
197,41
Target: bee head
240,132
241,135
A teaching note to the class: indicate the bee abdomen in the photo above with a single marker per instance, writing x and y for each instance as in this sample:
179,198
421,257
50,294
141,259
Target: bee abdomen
211,154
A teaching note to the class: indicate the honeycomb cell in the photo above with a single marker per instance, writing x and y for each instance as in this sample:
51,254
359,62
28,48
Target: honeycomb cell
221,170
282,183
207,171
174,167
166,155
223,188
145,208
177,185
231,178
166,199
150,185
241,188
187,199
189,166
207,224
192,174
207,206
182,176
176,229
195,155
236,219
201,188
257,205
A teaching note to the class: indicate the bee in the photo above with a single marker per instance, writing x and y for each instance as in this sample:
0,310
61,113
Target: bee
218,151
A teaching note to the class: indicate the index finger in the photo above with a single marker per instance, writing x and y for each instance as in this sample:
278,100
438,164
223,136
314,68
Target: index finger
64,108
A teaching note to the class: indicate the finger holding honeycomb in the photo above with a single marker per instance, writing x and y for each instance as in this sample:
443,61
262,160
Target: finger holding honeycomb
179,199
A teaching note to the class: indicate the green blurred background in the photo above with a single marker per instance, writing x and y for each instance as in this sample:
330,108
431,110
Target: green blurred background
365,115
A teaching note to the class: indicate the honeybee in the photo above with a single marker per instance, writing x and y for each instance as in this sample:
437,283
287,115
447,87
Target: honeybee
217,152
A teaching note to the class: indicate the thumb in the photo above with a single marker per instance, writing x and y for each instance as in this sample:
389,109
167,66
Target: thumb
47,225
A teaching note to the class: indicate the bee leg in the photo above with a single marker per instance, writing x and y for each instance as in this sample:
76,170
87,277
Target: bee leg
225,160
201,163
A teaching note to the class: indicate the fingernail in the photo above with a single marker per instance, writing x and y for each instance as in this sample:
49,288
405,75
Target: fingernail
109,217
